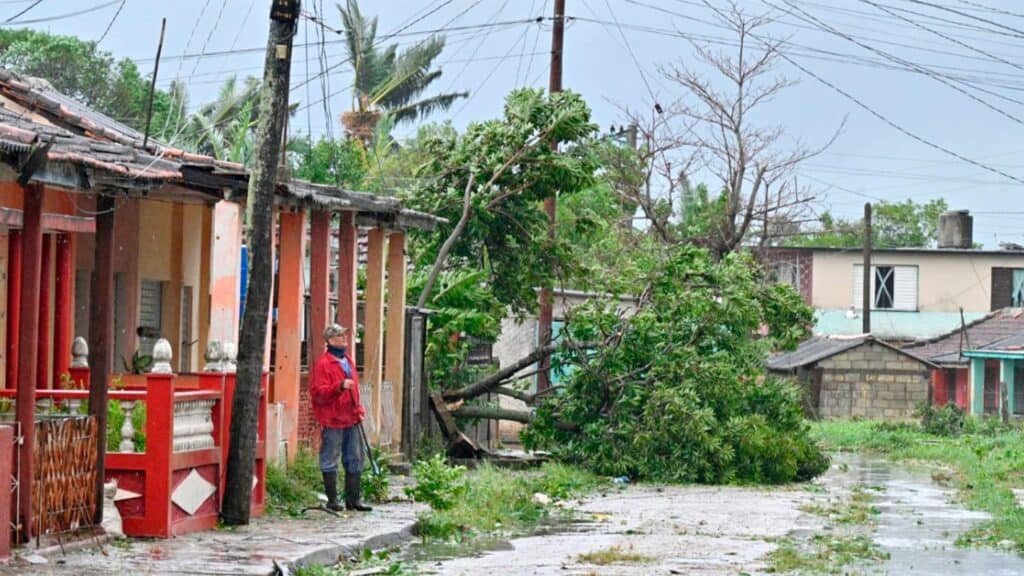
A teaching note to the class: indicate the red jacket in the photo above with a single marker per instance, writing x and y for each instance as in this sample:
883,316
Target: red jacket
332,406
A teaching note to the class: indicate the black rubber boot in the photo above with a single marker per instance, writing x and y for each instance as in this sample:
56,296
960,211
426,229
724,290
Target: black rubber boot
331,489
353,491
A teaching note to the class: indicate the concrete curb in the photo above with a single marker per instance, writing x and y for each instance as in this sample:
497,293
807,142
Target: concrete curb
335,553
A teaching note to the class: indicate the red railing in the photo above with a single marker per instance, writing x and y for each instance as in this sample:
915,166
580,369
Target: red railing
176,484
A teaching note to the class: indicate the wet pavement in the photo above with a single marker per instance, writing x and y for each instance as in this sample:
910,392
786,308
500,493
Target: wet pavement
919,520
729,530
662,530
672,530
248,550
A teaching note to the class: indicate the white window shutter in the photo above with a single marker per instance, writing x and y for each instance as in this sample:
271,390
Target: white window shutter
858,286
905,297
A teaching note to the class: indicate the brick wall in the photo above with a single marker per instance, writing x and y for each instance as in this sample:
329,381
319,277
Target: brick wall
309,432
872,381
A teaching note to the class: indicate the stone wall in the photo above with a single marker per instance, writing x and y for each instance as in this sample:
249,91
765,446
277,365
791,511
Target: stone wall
872,381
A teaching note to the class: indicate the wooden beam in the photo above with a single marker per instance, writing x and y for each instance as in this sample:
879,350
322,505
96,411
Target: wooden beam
101,333
32,261
373,326
319,283
348,264
394,362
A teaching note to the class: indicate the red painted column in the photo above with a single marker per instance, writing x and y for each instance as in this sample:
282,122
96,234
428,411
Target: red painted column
319,283
63,312
28,339
290,299
939,386
101,332
13,306
348,263
43,380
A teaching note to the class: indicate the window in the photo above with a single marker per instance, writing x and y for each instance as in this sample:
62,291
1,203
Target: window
892,287
1007,288
884,287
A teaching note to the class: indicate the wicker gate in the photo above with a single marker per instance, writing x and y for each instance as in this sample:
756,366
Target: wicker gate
63,490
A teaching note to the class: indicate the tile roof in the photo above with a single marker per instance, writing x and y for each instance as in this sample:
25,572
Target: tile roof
981,333
35,117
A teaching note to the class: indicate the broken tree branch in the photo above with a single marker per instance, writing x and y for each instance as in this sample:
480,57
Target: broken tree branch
490,383
491,413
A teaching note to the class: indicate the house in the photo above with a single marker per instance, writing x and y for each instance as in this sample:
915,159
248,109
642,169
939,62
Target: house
916,293
519,337
856,376
995,370
134,246
951,378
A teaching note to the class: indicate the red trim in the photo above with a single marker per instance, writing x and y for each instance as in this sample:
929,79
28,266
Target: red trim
63,311
28,338
14,218
13,307
43,380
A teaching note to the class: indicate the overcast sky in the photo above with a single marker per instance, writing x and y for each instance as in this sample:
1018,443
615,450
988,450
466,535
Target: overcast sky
493,46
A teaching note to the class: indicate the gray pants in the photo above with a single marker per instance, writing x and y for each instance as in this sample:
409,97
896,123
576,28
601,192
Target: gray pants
345,441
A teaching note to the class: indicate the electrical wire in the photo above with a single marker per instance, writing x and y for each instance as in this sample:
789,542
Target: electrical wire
65,15
111,23
34,4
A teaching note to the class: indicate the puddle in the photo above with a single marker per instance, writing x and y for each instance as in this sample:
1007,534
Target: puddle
919,520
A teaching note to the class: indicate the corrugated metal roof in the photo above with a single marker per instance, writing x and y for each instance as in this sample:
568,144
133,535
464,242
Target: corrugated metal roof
819,348
814,350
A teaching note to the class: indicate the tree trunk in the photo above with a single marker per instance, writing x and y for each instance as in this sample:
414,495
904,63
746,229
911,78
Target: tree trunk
490,413
495,380
273,110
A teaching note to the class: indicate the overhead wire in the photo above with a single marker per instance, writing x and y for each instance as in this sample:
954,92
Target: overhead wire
922,69
62,16
111,23
22,12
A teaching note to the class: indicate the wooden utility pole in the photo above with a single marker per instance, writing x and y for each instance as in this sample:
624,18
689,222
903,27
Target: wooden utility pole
866,292
551,204
259,219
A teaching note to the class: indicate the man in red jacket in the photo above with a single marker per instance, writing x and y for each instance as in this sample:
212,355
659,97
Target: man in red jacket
334,391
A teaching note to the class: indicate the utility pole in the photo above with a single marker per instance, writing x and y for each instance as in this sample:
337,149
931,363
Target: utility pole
866,292
551,204
259,219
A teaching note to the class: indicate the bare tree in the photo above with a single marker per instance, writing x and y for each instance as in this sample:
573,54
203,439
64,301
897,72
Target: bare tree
712,129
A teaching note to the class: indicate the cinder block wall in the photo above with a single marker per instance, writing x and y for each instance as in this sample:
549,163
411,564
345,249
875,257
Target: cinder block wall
872,381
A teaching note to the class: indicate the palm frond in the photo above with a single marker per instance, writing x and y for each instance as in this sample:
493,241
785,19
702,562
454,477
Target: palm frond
426,107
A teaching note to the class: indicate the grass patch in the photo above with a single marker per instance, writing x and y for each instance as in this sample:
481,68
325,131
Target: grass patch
497,500
857,510
987,460
291,489
824,554
380,563
613,555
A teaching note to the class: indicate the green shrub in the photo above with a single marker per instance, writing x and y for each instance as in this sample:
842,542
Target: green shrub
946,420
437,484
680,393
291,489
377,487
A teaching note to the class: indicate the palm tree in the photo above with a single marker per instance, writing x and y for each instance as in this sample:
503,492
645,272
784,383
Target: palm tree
224,127
388,81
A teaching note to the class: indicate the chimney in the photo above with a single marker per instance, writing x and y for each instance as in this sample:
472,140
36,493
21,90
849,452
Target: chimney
956,229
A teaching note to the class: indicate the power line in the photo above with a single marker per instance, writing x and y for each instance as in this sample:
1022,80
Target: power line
937,77
1017,31
945,36
62,16
632,55
875,113
112,20
34,4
